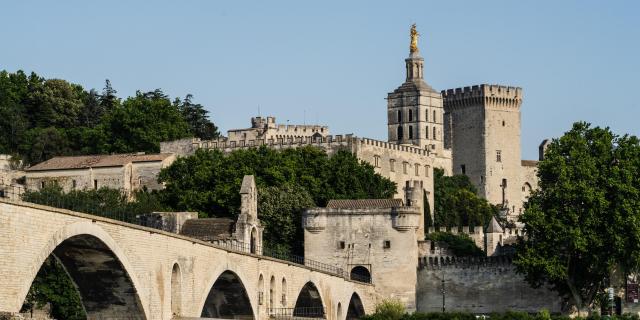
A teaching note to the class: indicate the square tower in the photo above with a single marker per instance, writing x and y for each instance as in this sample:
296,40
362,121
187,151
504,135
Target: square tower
415,110
483,128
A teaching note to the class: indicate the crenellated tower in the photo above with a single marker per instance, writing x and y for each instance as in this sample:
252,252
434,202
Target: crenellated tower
414,110
483,129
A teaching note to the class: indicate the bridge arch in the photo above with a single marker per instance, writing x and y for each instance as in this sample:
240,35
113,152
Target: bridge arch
309,302
100,270
355,309
228,298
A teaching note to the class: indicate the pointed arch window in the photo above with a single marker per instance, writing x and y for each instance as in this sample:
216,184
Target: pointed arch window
434,116
399,116
400,133
410,132
426,133
434,133
410,115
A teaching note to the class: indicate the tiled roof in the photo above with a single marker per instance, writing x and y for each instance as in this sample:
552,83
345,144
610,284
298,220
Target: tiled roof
208,229
364,203
529,163
81,162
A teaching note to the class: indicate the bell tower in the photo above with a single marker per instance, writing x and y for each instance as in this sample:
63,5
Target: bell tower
414,110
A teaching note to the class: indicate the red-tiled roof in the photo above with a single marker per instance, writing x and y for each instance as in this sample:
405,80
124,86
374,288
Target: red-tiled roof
81,162
364,203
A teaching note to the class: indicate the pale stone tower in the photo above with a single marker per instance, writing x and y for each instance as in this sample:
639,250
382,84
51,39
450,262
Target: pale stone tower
414,110
483,127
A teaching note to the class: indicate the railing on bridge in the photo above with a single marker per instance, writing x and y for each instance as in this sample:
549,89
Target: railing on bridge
297,313
106,209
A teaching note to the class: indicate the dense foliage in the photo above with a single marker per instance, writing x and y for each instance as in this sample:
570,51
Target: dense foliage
457,202
208,182
460,244
104,202
52,285
280,209
41,118
289,180
584,221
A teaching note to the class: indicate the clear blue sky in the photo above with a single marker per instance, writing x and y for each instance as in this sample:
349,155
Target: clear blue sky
335,61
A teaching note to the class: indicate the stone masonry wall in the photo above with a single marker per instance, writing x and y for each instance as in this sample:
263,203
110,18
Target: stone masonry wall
480,286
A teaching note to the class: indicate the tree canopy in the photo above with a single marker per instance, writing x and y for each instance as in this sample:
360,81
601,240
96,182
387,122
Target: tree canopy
288,180
42,118
584,220
457,203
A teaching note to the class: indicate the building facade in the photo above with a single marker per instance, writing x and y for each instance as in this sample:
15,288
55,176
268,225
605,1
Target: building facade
125,172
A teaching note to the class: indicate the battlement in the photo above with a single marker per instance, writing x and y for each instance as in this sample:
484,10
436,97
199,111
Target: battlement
439,262
487,94
189,145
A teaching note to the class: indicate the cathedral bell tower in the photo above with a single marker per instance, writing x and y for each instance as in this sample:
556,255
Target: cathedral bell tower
414,110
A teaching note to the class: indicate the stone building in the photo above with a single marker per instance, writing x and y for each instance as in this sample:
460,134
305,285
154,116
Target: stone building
372,240
126,172
11,177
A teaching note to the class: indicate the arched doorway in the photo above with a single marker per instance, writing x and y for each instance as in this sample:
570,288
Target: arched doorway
176,290
356,309
360,273
272,292
104,286
227,299
309,303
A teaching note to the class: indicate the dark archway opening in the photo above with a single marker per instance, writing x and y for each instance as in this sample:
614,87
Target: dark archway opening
83,266
360,273
356,309
254,240
309,303
228,299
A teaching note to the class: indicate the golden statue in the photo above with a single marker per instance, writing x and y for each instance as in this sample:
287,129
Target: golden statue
414,39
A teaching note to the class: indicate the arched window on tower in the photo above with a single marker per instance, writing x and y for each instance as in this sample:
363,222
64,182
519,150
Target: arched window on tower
399,116
426,133
410,132
400,135
434,133
434,116
426,115
410,115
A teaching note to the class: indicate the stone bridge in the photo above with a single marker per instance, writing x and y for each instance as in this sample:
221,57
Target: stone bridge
126,271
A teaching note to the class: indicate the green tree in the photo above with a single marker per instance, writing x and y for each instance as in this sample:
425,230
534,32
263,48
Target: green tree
280,209
584,220
142,122
52,285
457,202
197,118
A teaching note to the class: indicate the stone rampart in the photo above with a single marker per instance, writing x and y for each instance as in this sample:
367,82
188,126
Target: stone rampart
478,285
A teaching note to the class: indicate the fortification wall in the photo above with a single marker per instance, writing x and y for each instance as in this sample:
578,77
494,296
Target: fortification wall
478,285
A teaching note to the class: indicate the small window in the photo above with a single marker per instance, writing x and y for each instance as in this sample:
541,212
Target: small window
410,132
376,161
404,167
41,184
427,133
434,116
426,171
392,165
434,137
73,184
387,244
503,123
481,179
426,115
95,184
463,169
504,183
399,115
341,245
400,135
410,115
498,156
417,167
